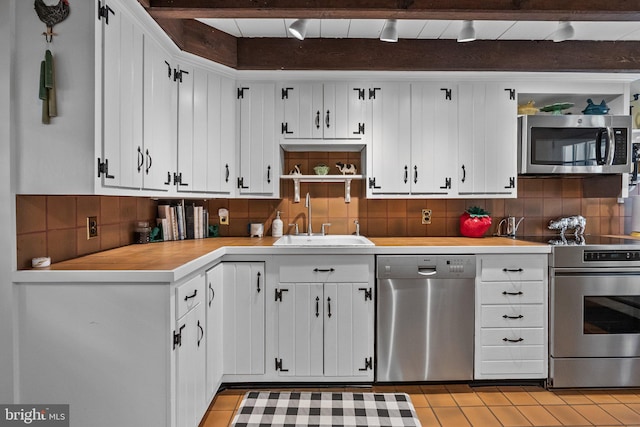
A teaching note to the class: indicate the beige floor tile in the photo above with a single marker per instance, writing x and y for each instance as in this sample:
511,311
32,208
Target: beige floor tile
624,396
509,416
634,406
596,415
440,399
573,397
217,419
467,398
622,413
225,402
544,397
567,415
480,416
427,417
494,398
451,417
520,398
539,416
600,396
418,400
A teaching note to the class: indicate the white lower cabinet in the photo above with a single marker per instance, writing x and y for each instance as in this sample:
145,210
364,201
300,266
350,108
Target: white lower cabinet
323,315
511,317
214,307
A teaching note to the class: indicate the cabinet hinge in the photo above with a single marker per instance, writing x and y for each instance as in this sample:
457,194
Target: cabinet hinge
447,93
368,294
368,364
372,183
177,74
512,182
284,128
241,183
103,12
279,294
241,92
512,93
360,92
447,184
279,366
360,130
372,92
177,179
103,168
285,92
177,337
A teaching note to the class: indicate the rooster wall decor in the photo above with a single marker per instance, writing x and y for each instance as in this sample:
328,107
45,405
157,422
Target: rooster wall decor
51,15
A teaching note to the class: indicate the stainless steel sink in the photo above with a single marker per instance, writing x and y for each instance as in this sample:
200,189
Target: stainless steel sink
335,240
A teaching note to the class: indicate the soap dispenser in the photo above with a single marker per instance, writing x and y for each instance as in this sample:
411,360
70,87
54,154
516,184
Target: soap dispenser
276,226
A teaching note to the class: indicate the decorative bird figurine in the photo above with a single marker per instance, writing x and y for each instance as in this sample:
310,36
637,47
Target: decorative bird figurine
51,15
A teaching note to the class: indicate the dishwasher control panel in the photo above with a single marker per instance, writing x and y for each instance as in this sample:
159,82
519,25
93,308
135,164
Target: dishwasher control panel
425,266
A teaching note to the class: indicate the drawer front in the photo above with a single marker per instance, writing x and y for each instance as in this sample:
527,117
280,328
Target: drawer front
326,269
512,336
520,316
513,268
513,368
515,353
189,295
512,293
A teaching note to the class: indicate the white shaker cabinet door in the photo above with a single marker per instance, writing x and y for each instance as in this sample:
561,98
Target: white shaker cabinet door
214,307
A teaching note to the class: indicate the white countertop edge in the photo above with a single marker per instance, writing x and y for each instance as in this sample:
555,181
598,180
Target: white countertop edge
209,259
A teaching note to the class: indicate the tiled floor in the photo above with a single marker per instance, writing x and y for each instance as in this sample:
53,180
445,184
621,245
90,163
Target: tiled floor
459,405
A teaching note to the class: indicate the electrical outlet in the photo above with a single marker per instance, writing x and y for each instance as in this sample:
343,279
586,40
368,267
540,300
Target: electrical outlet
92,227
426,216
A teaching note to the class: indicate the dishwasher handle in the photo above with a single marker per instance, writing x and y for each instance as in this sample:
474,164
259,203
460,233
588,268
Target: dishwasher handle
427,271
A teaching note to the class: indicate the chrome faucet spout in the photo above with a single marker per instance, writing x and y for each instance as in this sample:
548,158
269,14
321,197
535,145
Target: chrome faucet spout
307,204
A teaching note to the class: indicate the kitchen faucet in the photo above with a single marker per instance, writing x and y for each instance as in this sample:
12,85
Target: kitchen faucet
307,204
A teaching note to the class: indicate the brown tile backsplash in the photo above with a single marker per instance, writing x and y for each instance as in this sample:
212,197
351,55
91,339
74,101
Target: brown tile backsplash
55,226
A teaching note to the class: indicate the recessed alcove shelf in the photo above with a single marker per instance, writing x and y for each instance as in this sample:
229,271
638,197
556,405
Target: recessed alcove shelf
297,179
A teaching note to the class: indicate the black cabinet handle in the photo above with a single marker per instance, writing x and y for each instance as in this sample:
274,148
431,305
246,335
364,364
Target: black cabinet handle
324,270
318,119
519,316
213,294
188,297
226,175
149,162
512,293
140,159
509,340
464,173
202,332
326,120
317,306
415,174
269,174
406,174
512,270
329,306
258,282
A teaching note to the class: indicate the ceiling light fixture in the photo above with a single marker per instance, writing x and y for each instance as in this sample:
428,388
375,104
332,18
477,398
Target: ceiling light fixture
564,32
389,31
298,28
467,33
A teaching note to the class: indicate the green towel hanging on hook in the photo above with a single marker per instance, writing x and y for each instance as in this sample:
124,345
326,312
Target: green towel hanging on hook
47,90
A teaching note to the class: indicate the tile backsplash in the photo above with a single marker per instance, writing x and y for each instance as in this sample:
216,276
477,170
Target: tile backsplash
55,226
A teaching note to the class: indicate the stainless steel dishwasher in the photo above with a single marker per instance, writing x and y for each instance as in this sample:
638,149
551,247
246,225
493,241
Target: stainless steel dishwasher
425,317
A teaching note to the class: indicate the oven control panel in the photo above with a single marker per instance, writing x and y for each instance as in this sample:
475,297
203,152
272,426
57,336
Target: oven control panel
612,255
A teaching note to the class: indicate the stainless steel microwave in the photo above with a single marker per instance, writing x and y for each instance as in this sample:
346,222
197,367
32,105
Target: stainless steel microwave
574,144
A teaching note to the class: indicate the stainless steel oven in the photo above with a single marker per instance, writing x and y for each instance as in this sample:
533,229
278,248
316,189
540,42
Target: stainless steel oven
595,314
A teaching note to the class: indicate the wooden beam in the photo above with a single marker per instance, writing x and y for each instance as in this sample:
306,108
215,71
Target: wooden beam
174,29
575,10
437,55
209,43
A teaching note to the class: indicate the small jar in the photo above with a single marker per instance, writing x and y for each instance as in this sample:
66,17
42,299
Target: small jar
142,232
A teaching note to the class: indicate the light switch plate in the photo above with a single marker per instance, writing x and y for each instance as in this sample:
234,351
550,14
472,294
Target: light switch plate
426,216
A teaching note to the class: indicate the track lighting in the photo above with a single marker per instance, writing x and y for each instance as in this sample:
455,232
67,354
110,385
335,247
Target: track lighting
564,32
467,33
389,32
298,28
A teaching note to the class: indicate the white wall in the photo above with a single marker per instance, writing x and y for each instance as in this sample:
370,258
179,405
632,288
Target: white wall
7,204
45,152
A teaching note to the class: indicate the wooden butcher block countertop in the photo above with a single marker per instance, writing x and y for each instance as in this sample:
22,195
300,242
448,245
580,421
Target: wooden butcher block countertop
451,241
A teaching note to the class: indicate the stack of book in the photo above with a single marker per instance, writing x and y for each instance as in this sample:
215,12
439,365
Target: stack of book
180,220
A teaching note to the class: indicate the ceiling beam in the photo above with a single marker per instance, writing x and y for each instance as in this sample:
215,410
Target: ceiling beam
437,55
575,10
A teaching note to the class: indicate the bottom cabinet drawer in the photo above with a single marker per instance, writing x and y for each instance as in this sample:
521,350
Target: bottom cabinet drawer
513,353
513,368
512,336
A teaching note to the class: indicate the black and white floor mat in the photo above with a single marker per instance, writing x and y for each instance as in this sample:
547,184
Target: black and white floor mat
264,408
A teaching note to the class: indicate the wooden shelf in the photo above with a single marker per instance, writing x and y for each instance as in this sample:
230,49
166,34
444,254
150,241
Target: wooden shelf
297,179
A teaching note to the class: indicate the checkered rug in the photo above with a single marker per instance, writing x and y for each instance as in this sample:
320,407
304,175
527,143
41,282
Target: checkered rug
325,409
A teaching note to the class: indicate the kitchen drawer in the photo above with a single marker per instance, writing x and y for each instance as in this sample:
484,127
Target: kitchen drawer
326,269
513,268
512,353
189,295
519,316
518,336
513,368
512,293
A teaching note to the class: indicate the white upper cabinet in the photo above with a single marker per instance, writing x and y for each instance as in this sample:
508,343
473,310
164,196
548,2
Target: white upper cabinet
259,165
323,111
487,140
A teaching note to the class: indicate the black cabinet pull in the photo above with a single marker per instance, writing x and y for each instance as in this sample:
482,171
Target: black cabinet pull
509,340
326,120
519,316
464,173
140,159
415,174
324,270
213,294
188,297
512,293
226,175
258,281
406,174
318,119
512,270
202,332
269,174
329,306
317,306
149,162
